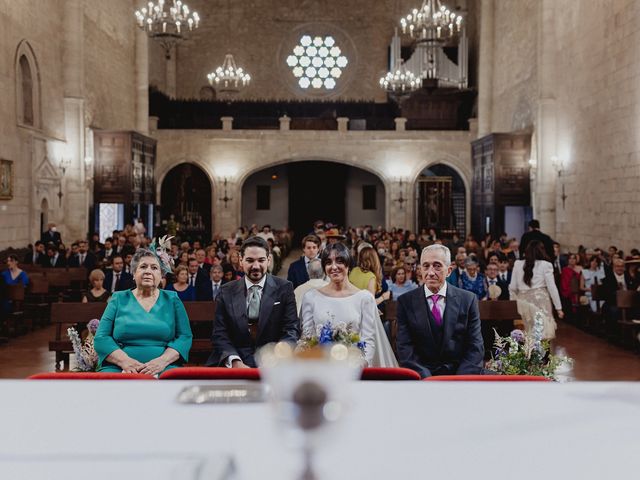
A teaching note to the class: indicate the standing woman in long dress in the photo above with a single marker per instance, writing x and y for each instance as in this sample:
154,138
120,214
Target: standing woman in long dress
341,302
533,286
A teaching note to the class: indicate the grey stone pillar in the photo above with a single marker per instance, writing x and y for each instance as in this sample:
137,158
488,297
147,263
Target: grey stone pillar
343,124
485,68
142,81
401,124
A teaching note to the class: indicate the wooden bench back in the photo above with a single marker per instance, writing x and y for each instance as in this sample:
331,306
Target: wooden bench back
75,312
200,311
58,277
627,299
15,293
38,285
498,310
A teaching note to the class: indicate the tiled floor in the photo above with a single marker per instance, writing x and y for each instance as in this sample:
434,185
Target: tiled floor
595,359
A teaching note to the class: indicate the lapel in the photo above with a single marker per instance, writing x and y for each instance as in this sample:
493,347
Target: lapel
266,303
450,315
239,305
422,317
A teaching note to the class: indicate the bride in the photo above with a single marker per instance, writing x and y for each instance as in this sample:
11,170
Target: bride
341,302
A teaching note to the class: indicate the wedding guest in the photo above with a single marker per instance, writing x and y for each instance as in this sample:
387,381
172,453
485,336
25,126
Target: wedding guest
504,277
203,266
117,279
593,275
368,275
83,257
236,264
185,291
455,277
13,275
268,301
398,284
145,330
341,301
428,318
491,279
35,254
534,233
54,258
97,292
51,235
472,280
571,284
208,291
316,280
533,286
298,270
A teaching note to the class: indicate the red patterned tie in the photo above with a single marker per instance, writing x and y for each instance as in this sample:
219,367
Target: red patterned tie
435,311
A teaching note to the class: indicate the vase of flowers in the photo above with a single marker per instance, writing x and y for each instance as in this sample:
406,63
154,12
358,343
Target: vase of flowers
528,354
86,355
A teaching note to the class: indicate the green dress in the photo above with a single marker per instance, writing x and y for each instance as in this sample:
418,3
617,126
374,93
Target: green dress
143,335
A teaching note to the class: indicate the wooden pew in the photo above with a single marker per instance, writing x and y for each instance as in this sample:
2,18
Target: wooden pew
628,301
67,314
498,314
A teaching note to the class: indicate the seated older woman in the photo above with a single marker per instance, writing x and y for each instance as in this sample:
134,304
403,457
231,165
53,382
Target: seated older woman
97,293
471,280
144,330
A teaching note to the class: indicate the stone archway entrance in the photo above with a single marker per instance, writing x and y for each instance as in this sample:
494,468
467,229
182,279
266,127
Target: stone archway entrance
186,203
441,197
296,194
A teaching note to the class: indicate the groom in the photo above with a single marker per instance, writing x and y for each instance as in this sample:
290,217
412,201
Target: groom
251,312
439,324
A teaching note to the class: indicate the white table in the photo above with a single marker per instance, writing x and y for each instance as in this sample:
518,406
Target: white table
394,430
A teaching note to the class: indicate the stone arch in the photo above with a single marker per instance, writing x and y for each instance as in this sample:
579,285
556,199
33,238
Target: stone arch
28,100
186,193
453,163
282,180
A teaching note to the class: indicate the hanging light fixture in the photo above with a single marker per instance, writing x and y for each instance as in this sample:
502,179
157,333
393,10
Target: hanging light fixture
228,78
400,82
431,22
167,22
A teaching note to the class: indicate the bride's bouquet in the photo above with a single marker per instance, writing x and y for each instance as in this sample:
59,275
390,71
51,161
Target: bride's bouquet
328,334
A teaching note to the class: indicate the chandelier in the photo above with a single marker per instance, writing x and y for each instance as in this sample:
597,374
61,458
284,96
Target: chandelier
167,21
433,22
229,78
400,82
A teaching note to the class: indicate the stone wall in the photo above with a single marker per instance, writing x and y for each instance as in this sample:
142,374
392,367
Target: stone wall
237,154
260,33
85,57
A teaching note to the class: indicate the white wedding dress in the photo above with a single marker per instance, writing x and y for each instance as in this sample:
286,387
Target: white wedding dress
360,312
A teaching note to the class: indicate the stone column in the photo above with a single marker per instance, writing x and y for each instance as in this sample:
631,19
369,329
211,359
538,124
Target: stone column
285,123
547,122
76,199
343,124
142,82
401,124
153,123
485,68
227,123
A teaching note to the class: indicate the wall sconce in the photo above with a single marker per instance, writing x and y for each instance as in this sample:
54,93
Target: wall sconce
401,199
63,165
226,197
558,164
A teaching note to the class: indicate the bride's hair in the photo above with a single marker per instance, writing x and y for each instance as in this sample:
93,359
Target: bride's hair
534,251
342,253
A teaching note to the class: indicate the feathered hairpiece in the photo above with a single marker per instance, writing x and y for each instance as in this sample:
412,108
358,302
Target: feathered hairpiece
160,250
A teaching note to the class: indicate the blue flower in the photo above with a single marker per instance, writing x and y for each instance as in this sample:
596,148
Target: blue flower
518,336
361,345
326,334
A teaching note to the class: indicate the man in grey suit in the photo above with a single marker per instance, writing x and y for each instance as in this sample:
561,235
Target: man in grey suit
439,325
253,311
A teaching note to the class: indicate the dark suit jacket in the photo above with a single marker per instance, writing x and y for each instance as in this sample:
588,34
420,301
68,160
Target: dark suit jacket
126,281
28,258
61,262
90,261
278,320
541,237
504,294
51,237
204,291
298,273
461,350
610,285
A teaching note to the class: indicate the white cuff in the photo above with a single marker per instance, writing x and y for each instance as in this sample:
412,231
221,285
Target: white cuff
229,361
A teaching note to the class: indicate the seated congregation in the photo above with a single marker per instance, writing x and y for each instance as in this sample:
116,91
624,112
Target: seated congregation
409,300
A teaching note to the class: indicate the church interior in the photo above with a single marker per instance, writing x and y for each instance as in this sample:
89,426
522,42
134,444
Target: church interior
394,125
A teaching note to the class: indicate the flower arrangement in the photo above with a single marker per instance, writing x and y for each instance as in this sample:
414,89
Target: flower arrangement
328,333
527,354
86,355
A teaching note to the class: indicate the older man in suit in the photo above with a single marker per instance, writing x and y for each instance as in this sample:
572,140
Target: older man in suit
439,324
116,279
253,311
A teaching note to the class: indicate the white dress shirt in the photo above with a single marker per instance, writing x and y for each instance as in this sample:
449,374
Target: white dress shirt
248,284
442,302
